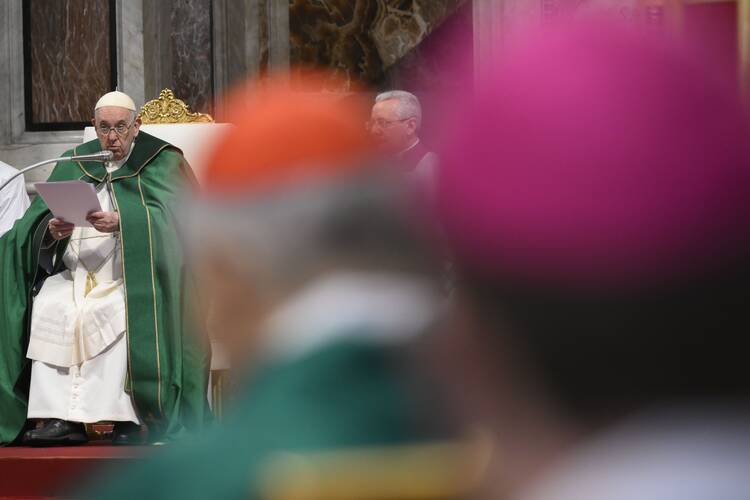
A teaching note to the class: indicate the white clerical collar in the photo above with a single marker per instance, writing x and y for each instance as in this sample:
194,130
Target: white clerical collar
376,307
111,166
414,145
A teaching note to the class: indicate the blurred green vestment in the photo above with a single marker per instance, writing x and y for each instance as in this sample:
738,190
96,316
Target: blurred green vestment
340,381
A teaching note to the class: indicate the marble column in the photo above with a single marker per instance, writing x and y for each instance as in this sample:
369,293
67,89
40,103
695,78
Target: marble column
192,58
178,51
236,46
5,73
156,54
278,35
251,37
130,58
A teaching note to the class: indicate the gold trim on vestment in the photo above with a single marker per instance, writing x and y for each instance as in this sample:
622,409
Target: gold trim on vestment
153,290
138,171
447,470
29,301
80,165
129,383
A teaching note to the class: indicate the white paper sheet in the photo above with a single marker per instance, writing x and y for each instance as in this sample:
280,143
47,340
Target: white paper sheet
71,201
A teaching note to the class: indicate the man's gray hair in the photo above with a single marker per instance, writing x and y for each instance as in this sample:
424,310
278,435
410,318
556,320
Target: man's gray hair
408,104
133,114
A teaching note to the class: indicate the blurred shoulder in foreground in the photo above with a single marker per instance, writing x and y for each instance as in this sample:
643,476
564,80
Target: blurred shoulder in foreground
601,225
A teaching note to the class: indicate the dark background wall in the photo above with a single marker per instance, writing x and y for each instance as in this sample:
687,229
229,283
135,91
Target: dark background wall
367,44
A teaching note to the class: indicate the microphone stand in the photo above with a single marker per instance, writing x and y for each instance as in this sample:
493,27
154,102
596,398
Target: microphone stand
32,167
102,156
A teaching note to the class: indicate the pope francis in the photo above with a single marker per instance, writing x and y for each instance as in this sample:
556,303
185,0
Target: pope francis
92,321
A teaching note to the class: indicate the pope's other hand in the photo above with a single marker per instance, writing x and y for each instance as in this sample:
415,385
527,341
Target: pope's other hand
104,222
59,229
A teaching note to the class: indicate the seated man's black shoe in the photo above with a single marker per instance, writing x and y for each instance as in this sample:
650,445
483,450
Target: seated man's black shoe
127,433
56,432
21,438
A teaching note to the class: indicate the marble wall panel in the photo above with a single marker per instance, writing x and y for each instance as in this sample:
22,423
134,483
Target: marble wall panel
402,25
442,61
68,57
192,57
335,35
359,40
264,36
130,55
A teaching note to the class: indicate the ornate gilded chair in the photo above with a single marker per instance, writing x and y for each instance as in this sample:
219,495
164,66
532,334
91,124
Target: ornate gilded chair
167,109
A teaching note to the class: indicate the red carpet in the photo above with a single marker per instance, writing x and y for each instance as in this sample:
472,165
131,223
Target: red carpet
46,472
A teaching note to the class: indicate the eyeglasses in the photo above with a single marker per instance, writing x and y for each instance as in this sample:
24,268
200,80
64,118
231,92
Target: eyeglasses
381,123
120,129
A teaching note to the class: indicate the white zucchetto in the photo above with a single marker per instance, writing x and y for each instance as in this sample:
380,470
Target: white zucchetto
115,98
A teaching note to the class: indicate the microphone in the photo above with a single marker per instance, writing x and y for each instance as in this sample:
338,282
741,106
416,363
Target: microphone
105,155
101,156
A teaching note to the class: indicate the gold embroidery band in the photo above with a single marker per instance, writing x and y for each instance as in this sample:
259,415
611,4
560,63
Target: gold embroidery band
153,290
125,289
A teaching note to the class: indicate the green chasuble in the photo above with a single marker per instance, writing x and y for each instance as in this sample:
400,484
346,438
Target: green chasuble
167,364
347,394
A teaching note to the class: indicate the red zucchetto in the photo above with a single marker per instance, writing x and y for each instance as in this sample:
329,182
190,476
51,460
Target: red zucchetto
284,135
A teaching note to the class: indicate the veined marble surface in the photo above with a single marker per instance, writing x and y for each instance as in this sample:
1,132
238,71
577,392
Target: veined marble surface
192,57
359,40
401,25
130,55
70,58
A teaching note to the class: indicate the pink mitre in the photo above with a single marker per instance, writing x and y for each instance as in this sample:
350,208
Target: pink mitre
596,156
